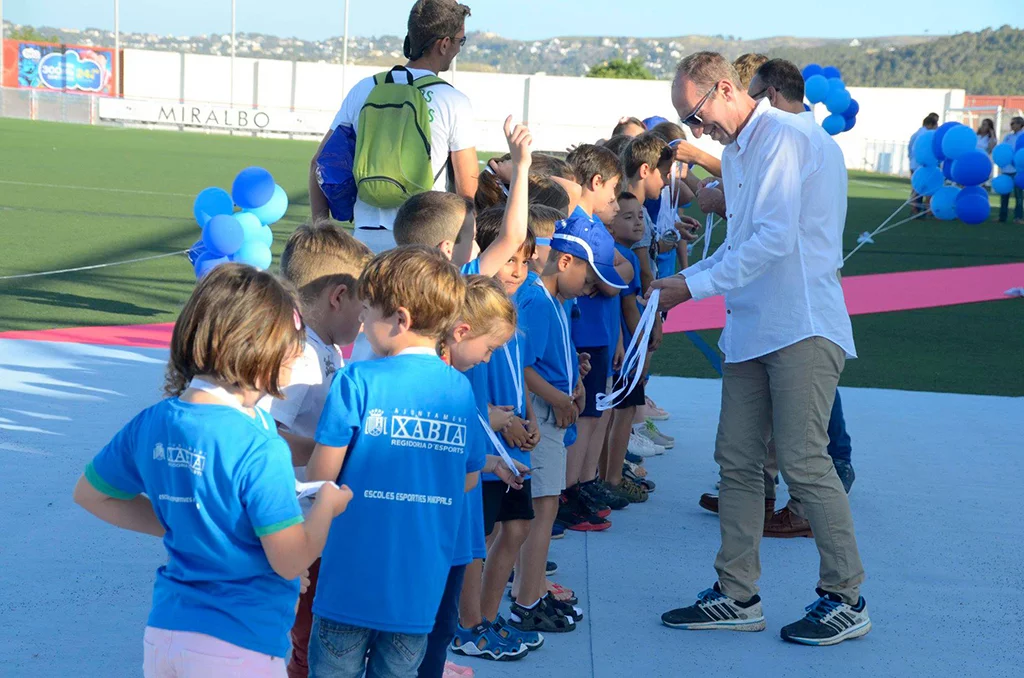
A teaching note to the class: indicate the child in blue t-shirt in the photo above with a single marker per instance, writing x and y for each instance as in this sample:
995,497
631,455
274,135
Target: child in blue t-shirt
401,430
581,256
207,472
585,504
627,228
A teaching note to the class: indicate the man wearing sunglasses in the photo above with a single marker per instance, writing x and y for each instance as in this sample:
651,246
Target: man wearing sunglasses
436,34
786,338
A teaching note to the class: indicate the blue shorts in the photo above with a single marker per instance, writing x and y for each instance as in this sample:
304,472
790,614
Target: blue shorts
596,380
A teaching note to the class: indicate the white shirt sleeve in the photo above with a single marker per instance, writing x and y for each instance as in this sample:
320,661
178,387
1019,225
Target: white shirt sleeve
704,264
348,114
776,209
462,134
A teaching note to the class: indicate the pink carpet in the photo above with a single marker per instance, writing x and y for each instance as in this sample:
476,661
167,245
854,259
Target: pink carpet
877,293
883,292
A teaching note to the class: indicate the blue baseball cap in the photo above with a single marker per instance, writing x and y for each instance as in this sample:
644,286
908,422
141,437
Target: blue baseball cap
589,240
653,121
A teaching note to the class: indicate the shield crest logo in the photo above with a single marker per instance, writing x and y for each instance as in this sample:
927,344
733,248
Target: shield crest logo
158,452
375,423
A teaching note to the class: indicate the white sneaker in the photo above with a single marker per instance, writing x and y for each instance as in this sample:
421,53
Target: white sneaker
638,444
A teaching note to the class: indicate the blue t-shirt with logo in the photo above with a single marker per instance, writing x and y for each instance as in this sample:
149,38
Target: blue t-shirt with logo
501,387
218,480
409,422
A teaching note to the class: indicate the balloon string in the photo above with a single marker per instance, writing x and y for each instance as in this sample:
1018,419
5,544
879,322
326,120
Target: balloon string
903,221
94,266
882,226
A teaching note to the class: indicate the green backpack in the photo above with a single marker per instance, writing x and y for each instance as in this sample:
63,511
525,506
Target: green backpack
392,156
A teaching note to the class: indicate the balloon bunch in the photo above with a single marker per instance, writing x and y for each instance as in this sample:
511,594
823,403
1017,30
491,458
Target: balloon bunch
825,85
244,236
950,152
1005,157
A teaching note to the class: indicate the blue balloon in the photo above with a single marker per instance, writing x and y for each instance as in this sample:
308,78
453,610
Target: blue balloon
838,101
923,150
816,88
947,169
1020,142
972,205
250,226
1002,155
1003,184
1018,180
810,70
207,262
850,122
972,168
940,133
943,203
223,235
807,107
834,124
266,236
959,140
835,84
252,188
852,110
255,254
274,209
831,72
927,180
1018,159
209,203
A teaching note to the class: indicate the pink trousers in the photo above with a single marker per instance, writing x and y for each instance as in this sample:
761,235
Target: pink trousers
181,654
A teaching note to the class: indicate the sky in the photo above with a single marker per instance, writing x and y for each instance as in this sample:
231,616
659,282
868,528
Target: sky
532,19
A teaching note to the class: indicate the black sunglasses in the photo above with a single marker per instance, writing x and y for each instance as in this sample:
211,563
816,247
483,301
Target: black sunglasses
694,119
760,94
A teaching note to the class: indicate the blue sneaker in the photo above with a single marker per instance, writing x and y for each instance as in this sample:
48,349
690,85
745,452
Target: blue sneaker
484,642
531,639
557,531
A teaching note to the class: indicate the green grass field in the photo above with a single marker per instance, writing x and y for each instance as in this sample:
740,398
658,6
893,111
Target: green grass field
75,196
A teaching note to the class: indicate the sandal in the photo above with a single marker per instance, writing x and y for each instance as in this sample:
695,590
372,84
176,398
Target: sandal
570,611
541,617
640,480
484,642
637,469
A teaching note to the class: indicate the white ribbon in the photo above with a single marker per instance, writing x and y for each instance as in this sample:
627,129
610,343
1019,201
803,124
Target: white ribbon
220,393
566,341
709,225
636,353
304,490
516,368
497,445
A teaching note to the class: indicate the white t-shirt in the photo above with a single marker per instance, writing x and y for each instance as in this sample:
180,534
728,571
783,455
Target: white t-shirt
451,130
306,394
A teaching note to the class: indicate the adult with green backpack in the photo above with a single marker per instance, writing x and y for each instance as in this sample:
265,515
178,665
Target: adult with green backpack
399,133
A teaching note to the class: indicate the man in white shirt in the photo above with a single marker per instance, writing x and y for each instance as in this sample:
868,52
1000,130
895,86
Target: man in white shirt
786,338
437,31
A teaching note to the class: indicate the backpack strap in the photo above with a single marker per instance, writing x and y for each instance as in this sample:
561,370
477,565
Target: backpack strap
429,81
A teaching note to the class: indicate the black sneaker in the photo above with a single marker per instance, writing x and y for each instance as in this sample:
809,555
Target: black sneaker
596,491
590,503
715,610
634,458
829,621
550,567
573,516
541,617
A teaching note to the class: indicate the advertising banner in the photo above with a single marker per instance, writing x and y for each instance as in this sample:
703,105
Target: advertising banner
195,114
61,68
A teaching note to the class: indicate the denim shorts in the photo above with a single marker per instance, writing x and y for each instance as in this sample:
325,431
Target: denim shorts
339,650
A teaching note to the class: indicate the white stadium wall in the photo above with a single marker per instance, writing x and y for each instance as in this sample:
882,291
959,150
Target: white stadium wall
301,98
